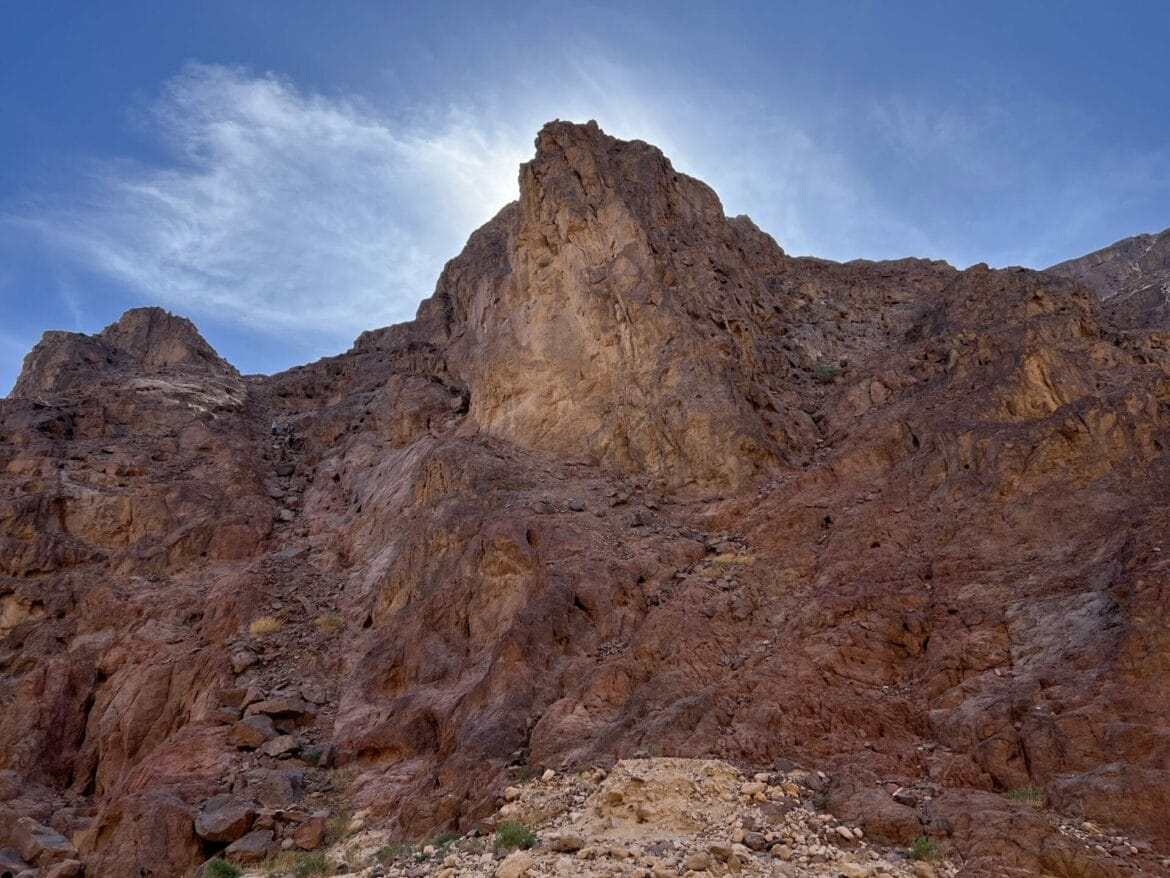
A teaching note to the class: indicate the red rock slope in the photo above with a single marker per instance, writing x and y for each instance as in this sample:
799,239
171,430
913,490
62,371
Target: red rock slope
634,478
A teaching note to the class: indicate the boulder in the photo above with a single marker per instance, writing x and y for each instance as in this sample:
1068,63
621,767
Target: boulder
243,660
285,707
274,788
64,869
223,818
252,848
282,745
39,844
10,785
882,817
225,716
310,834
154,831
565,842
11,864
252,732
856,798
515,865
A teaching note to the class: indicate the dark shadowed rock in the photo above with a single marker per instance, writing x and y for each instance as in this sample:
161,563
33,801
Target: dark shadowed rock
223,818
40,844
252,848
252,731
276,788
11,864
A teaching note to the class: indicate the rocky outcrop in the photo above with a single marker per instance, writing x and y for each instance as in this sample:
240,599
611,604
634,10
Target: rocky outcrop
144,342
1133,276
634,478
1123,268
615,314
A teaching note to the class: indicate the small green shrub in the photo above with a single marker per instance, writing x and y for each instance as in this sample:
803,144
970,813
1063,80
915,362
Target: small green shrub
512,835
338,826
220,869
1033,796
924,848
826,372
820,800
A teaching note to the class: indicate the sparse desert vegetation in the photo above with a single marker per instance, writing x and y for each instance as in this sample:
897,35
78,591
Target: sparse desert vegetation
330,624
512,835
265,625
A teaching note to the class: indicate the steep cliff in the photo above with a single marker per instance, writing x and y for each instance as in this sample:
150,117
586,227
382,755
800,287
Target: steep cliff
634,478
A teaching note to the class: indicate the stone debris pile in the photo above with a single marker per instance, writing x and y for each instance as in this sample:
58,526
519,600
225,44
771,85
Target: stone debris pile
649,818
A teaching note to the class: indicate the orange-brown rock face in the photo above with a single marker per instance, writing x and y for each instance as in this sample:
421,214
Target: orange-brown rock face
614,314
633,479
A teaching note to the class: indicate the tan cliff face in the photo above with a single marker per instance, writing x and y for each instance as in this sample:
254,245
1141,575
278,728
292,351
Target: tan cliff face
634,479
613,315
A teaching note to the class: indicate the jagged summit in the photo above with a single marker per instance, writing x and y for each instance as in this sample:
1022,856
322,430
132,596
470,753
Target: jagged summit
576,320
141,340
154,338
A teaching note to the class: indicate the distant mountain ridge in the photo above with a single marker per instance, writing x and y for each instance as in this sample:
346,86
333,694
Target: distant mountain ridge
1132,276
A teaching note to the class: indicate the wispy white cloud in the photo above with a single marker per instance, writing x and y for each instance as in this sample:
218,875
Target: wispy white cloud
298,214
311,217
283,210
74,303
926,129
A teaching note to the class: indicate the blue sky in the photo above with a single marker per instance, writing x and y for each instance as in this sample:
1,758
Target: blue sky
288,174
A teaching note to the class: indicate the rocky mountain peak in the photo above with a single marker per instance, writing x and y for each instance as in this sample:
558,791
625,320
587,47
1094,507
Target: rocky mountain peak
155,338
1121,267
141,340
593,318
579,171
